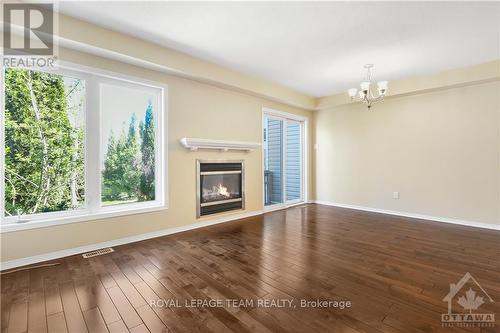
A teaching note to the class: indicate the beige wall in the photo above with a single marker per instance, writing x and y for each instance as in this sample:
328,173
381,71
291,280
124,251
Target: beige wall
440,150
194,110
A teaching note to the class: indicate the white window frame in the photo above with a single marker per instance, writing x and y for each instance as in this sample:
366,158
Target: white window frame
92,208
303,121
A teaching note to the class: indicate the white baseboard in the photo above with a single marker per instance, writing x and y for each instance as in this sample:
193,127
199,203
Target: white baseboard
269,209
412,215
86,248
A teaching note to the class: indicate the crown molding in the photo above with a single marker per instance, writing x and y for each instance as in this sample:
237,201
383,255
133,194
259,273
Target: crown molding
82,36
89,38
455,78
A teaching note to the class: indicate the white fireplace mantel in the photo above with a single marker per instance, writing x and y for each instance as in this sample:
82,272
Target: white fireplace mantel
222,145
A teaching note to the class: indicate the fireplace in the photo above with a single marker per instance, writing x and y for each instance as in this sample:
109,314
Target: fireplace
220,187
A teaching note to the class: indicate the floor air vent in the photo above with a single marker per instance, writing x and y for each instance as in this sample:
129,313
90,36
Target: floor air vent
99,252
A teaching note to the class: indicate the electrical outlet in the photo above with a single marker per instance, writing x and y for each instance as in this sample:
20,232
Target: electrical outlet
395,195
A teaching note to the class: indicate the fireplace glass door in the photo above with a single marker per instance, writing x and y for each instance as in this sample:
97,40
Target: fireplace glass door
216,188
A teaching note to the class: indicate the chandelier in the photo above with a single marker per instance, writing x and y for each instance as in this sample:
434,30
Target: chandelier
366,94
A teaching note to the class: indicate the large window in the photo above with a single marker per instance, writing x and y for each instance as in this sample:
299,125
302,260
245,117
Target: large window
128,136
77,144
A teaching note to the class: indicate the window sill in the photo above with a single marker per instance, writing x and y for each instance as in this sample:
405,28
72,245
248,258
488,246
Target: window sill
108,212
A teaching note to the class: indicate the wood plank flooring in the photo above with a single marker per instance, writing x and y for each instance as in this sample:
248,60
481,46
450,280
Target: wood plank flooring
395,272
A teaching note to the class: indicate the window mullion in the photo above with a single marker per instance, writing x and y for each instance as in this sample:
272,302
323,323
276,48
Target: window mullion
2,149
284,160
92,149
302,162
160,185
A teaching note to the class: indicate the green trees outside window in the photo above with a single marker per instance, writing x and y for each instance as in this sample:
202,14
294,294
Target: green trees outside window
129,164
45,150
44,142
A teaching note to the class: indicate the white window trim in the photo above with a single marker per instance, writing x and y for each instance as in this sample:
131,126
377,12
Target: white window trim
280,115
92,209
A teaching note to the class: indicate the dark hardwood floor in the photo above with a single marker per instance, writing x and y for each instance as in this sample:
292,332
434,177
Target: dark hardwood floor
395,272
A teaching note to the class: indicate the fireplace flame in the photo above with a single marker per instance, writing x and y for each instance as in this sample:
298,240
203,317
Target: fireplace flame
221,190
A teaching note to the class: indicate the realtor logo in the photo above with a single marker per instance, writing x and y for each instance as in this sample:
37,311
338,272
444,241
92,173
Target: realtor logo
28,35
470,300
38,25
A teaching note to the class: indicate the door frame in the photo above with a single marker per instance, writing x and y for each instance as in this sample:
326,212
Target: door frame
276,114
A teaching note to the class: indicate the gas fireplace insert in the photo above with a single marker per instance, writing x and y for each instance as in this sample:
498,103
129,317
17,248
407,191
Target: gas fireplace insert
220,186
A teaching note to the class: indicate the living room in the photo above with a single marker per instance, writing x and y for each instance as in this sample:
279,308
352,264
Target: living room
250,166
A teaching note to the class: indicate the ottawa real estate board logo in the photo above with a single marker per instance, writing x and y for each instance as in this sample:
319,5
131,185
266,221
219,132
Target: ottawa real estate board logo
464,300
28,35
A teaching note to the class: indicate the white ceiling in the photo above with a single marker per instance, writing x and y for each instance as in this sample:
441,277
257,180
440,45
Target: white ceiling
318,48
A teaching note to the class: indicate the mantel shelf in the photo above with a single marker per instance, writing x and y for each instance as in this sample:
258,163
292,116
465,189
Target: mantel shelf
221,145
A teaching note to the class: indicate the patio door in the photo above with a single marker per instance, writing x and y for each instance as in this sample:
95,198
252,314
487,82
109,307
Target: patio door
283,150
